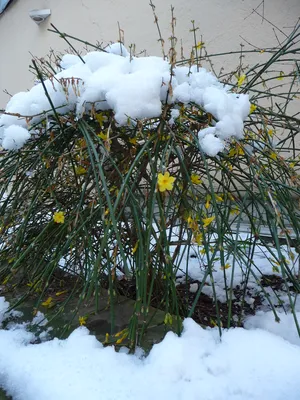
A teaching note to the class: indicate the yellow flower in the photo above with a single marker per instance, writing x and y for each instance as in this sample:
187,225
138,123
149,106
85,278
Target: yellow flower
200,45
237,150
103,136
165,137
281,75
80,170
232,152
60,293
192,223
253,107
230,197
106,338
35,285
208,198
198,238
168,320
226,266
49,303
6,280
82,320
81,143
275,269
135,247
241,80
213,322
165,182
235,211
292,255
100,118
133,140
59,217
195,179
47,162
207,221
121,335
273,155
119,341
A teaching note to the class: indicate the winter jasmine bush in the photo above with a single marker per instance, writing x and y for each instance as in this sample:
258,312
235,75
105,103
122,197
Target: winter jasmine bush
114,167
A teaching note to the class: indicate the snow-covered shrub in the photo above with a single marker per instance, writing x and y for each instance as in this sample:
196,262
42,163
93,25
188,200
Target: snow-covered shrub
118,165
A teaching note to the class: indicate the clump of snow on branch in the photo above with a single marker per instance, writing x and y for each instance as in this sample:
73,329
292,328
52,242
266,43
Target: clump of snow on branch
14,137
131,87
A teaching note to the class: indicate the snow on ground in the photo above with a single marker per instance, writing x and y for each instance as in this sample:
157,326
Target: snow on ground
286,327
259,362
244,364
132,88
263,262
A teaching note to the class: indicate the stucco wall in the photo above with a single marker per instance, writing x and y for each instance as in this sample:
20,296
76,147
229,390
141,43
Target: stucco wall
221,22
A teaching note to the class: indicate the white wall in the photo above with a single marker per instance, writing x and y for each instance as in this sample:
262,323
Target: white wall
221,23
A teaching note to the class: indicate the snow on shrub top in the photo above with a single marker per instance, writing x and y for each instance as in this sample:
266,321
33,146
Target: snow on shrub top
130,87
